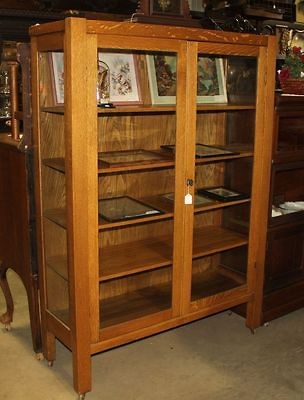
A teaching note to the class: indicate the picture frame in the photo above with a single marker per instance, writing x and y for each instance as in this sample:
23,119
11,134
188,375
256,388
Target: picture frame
166,7
222,193
205,150
130,157
115,209
211,83
162,75
56,60
124,80
199,200
171,9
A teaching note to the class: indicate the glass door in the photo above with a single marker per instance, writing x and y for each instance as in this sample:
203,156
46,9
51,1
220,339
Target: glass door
224,151
137,153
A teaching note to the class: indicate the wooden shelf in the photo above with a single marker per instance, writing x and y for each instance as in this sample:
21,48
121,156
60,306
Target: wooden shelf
57,163
156,109
213,239
151,300
133,305
144,255
213,282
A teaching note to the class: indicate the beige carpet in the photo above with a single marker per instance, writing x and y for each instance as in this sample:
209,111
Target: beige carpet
213,359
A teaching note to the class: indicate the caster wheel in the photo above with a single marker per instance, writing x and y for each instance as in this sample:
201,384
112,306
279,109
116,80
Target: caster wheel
39,356
8,327
229,313
81,396
266,324
50,363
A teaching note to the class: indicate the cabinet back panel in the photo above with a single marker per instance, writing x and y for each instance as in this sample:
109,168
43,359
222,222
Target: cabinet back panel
138,184
135,282
240,127
136,132
210,128
209,175
207,218
134,233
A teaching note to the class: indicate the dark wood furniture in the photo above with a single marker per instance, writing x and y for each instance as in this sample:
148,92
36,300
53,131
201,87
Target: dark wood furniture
17,212
17,233
284,266
106,282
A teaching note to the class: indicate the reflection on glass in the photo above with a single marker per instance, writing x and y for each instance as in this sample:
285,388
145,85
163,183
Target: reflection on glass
103,83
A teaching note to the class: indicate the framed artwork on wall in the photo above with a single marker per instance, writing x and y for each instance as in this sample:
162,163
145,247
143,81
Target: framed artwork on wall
164,8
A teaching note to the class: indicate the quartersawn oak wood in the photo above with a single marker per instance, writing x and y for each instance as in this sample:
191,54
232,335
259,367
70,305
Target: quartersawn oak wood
108,283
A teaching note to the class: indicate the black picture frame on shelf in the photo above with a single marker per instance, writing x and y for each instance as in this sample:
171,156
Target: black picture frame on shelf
222,193
199,199
130,157
115,209
204,150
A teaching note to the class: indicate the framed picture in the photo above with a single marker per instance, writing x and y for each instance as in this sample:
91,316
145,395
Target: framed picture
211,84
124,82
130,157
199,200
124,208
57,76
204,150
222,193
164,8
162,78
162,73
167,7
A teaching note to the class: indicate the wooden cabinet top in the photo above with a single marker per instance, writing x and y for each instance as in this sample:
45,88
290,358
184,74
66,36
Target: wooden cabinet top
154,31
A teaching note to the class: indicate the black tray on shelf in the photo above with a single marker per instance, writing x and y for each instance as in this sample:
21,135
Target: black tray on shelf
204,150
222,193
199,200
122,158
124,208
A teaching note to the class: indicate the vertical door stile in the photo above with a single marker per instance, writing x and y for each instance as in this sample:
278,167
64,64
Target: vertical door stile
261,180
78,197
47,344
186,139
92,149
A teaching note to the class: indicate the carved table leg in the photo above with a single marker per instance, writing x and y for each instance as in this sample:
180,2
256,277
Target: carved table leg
7,317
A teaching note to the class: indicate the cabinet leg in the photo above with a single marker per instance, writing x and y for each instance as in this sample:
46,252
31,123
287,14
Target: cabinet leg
49,348
34,311
7,317
82,374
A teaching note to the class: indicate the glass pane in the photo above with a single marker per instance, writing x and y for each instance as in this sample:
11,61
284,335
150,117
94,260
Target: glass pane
224,156
136,185
53,183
